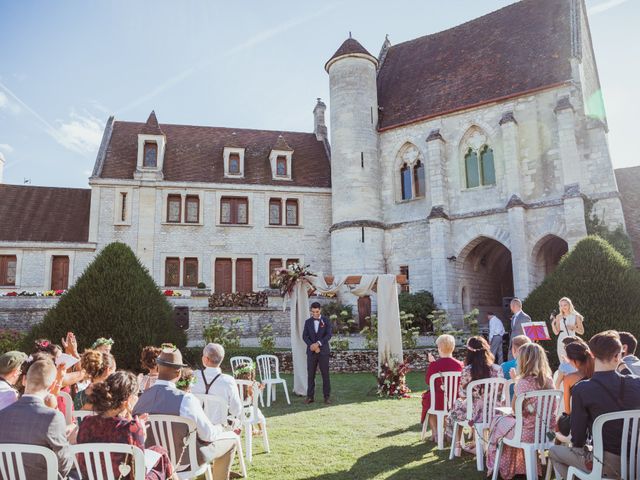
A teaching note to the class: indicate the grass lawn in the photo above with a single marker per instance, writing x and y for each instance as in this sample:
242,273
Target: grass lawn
359,437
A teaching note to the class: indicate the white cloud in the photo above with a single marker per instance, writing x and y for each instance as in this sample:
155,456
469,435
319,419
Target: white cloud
80,133
604,6
6,148
6,104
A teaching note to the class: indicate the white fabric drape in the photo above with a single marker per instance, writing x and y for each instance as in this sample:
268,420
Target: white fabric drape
299,305
389,333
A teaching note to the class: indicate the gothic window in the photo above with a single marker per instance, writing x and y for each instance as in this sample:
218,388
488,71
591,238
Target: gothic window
174,208
472,169
150,157
275,211
479,167
418,179
292,212
192,207
405,179
487,169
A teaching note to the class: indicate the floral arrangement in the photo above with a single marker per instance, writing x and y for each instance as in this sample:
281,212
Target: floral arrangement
171,293
25,293
248,299
287,277
187,379
246,371
392,380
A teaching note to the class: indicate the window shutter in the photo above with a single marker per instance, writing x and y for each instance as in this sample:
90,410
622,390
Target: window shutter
223,275
172,272
244,275
60,273
8,266
190,272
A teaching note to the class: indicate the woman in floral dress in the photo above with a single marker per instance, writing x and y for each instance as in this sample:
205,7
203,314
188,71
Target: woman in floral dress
535,374
478,365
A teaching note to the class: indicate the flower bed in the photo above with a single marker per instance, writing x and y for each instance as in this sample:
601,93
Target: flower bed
26,293
252,299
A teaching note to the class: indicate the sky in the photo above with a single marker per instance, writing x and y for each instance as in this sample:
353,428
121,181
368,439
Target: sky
65,67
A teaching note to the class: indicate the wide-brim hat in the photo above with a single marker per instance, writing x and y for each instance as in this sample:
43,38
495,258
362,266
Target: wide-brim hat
170,357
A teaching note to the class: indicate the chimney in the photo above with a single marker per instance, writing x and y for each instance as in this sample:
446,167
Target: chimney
319,127
1,166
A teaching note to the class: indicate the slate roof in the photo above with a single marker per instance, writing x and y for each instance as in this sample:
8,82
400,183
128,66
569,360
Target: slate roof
44,214
629,186
349,46
523,47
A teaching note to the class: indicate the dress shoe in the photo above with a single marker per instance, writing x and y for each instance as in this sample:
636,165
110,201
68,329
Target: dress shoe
308,400
327,401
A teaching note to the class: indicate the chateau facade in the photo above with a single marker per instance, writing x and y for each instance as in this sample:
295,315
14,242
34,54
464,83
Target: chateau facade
462,159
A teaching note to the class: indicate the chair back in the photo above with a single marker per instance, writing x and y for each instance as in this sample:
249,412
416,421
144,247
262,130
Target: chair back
98,461
249,402
216,408
80,414
268,367
175,434
12,461
544,405
449,383
68,407
239,361
630,443
491,396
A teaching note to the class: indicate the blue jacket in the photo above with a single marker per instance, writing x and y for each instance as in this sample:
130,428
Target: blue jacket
310,336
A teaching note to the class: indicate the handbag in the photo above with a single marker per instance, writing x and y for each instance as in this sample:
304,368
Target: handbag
564,424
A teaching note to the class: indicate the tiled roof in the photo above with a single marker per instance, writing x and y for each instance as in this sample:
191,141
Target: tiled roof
195,154
522,47
629,186
349,46
44,214
152,127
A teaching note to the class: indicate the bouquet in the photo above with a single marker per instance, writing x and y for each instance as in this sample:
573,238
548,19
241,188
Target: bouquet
392,381
287,277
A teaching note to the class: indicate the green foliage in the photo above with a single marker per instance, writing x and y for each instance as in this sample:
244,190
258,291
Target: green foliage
114,297
267,340
471,320
408,330
370,333
597,226
603,285
420,305
202,285
217,332
441,323
341,316
10,340
339,343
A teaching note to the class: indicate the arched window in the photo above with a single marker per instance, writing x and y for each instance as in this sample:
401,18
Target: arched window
487,168
479,167
418,178
405,179
472,170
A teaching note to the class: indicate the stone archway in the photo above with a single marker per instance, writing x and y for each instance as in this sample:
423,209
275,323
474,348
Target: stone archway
546,255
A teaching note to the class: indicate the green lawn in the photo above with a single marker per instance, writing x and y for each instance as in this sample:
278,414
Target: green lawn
359,437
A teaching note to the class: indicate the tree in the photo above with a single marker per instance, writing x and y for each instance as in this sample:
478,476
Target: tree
603,286
114,297
420,305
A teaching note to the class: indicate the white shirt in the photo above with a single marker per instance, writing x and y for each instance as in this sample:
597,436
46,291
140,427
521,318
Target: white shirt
225,386
496,327
8,394
192,409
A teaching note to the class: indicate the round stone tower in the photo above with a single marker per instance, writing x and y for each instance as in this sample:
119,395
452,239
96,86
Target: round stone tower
357,235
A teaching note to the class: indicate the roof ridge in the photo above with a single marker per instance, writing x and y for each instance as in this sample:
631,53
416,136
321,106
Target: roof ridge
43,187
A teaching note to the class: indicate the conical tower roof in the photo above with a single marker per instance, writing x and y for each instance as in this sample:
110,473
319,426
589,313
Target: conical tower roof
350,47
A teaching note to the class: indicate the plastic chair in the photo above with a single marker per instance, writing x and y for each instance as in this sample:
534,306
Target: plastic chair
492,396
237,362
271,379
630,451
97,460
12,461
251,417
68,407
449,382
545,404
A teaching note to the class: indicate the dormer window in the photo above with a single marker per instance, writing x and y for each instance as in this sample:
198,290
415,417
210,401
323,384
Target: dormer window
233,162
150,156
280,159
281,166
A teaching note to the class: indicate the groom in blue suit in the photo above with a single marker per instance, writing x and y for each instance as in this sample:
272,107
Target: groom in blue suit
316,334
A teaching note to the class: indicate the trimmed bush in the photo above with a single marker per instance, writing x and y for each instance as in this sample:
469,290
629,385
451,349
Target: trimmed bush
420,305
114,297
10,340
603,286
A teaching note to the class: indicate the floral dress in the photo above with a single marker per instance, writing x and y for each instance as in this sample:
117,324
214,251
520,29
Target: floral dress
459,410
512,459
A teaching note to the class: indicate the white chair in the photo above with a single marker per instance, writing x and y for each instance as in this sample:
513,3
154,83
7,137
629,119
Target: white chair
97,460
269,370
12,461
216,409
545,405
449,382
630,451
492,396
239,361
251,417
68,407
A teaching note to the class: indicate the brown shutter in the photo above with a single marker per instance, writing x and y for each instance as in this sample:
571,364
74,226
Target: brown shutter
190,272
223,275
8,267
172,272
364,310
60,273
244,275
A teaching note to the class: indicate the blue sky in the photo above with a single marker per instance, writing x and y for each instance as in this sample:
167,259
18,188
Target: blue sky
66,66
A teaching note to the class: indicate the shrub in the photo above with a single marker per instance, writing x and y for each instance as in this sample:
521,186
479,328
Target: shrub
114,297
603,285
370,333
471,320
420,305
597,226
267,340
339,343
343,313
201,285
10,340
216,332
408,330
441,323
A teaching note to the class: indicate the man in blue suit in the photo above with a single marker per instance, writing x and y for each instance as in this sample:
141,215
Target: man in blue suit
316,334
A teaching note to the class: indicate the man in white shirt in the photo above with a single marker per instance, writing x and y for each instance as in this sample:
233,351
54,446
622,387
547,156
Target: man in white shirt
10,364
212,381
496,332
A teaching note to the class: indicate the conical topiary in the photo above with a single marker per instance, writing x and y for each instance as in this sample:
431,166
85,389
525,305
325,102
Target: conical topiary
603,286
114,297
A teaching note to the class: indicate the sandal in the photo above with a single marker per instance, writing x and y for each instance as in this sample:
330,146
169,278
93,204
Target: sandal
469,448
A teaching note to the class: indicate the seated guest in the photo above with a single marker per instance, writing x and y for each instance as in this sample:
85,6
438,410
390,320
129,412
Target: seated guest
580,358
630,363
565,368
605,392
517,342
98,366
10,364
165,399
30,422
446,363
148,362
113,401
102,345
534,374
478,365
212,381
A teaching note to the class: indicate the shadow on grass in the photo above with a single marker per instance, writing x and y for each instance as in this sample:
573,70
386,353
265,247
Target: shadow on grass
399,431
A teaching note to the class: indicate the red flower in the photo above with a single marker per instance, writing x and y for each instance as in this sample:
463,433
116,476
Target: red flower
168,293
12,294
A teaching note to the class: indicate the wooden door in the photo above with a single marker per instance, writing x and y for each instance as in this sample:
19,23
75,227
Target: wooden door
244,275
60,272
223,275
364,311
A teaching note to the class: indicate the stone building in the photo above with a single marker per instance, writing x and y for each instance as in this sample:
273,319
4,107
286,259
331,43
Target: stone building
460,159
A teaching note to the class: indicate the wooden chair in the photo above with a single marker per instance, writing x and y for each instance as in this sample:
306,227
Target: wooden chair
251,417
269,370
12,461
449,382
97,460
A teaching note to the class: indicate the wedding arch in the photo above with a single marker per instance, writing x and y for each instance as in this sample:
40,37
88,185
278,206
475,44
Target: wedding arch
384,286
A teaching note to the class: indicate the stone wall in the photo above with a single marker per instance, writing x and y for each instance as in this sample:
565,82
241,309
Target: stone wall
22,313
